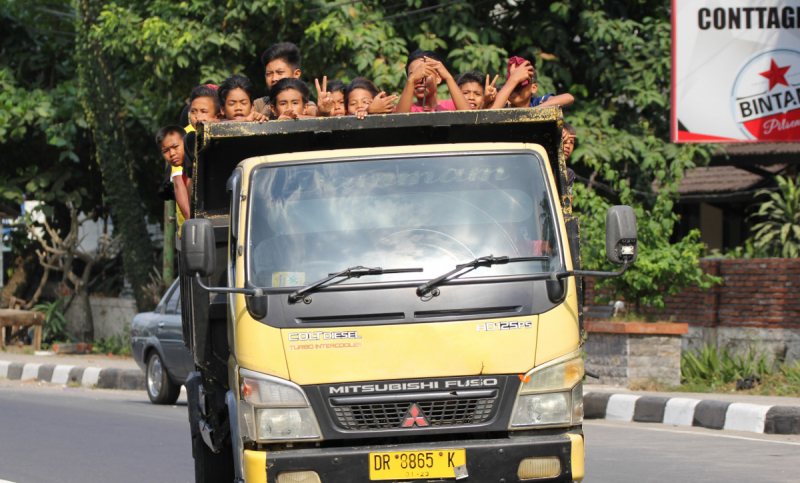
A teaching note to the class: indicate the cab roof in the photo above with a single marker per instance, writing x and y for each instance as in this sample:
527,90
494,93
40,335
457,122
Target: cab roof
222,146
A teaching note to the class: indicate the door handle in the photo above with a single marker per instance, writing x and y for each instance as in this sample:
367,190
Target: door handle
161,325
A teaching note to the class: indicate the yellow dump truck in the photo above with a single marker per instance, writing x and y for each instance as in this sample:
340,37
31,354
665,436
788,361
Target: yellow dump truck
387,299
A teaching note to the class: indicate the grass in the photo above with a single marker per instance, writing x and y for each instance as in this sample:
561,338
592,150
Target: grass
74,384
772,385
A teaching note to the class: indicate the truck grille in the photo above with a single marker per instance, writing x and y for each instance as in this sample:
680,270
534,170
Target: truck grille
391,415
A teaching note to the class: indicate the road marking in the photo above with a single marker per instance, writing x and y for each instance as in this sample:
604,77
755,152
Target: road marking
699,433
680,411
6,481
621,407
746,417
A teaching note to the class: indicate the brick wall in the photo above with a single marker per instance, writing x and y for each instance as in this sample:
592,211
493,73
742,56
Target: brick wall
754,293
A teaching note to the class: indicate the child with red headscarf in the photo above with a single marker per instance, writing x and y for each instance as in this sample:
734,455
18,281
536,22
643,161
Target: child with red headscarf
520,89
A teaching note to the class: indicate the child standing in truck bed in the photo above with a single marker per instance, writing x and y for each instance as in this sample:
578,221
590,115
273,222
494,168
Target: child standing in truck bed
169,140
236,100
425,73
520,88
280,61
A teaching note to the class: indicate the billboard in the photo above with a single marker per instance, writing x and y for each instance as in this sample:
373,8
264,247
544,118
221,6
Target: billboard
735,70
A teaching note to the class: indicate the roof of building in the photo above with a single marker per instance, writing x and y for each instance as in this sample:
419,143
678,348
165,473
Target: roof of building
724,179
752,154
8,213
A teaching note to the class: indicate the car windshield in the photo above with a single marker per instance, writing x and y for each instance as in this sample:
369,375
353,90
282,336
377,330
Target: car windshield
430,212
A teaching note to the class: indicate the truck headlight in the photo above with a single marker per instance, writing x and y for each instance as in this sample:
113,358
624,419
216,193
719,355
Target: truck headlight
274,409
551,395
286,423
542,410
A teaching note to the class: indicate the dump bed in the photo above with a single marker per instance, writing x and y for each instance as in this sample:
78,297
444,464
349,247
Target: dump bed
221,146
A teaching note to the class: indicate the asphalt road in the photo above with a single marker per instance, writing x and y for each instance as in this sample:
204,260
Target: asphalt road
49,434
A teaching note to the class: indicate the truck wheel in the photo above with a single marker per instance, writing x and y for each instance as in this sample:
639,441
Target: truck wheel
210,467
160,388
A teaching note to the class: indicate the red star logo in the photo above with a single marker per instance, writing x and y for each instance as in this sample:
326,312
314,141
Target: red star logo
776,75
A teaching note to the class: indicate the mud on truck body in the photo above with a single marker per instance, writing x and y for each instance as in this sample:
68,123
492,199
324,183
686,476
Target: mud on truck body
387,299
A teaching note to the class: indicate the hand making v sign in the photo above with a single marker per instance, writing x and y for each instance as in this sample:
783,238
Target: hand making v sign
489,92
324,98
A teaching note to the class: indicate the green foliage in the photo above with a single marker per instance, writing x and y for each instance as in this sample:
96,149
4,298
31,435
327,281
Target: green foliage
748,250
662,269
43,137
54,327
711,366
612,55
104,107
115,344
792,373
779,233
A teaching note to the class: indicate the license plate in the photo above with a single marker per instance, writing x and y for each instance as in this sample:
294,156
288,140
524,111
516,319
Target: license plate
406,465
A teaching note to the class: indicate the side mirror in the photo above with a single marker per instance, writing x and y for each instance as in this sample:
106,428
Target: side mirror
620,235
198,248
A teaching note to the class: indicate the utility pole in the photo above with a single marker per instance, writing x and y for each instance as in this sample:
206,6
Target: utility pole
168,270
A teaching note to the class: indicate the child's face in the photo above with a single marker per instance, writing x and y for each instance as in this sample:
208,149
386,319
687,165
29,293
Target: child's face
358,100
521,96
289,99
237,105
277,70
474,93
202,110
428,83
172,149
339,108
569,145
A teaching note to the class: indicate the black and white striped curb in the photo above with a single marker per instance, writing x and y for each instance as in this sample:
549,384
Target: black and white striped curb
103,378
679,411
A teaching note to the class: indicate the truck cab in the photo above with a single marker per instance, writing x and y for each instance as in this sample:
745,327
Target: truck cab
387,299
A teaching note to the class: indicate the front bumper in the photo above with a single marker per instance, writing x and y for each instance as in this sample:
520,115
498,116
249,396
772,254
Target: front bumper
488,460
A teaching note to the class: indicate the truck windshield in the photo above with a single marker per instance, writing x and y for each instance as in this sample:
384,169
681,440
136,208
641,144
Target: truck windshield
432,212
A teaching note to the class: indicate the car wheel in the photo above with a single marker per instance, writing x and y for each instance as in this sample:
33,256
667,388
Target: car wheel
160,388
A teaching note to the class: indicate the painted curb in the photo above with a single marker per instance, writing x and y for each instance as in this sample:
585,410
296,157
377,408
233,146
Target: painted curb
679,411
104,378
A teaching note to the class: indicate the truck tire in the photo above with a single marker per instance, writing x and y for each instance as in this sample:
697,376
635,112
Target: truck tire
160,388
209,467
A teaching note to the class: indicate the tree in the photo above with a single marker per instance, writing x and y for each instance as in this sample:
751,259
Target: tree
59,254
779,233
613,56
103,109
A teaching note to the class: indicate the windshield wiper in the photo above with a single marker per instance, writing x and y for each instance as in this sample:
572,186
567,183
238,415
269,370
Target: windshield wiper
348,273
478,262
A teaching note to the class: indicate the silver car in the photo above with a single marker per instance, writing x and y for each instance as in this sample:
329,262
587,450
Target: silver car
157,346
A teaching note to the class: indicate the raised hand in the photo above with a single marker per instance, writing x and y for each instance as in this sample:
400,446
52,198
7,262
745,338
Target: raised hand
520,73
382,104
439,68
324,98
490,91
425,70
